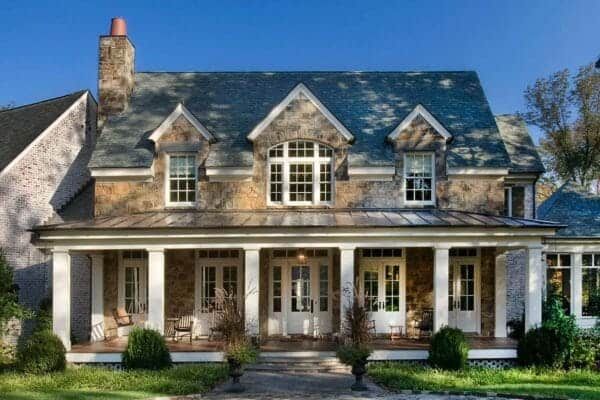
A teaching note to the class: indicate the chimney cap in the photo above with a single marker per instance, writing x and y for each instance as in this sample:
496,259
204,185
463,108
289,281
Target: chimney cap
118,27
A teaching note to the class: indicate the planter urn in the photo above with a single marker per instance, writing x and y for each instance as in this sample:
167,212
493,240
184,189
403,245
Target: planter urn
358,370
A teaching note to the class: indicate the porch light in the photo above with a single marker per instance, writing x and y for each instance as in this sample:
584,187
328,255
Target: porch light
301,256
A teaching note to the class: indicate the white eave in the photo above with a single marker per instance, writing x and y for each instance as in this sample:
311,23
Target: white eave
177,112
477,171
297,91
419,110
122,174
220,174
381,173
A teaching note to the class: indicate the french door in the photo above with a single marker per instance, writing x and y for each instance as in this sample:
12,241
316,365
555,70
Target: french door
382,285
300,301
463,295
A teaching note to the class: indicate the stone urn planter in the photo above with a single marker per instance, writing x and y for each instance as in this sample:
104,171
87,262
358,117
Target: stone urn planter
359,368
356,357
236,370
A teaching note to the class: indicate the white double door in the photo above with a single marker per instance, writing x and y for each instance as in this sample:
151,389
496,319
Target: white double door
382,285
464,295
300,301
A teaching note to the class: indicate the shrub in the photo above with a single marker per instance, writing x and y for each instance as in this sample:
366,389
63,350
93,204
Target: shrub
9,295
541,347
43,352
584,353
146,349
43,317
352,355
517,328
449,349
241,353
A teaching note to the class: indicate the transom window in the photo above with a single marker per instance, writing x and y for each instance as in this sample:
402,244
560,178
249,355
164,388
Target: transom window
300,173
181,180
590,284
419,178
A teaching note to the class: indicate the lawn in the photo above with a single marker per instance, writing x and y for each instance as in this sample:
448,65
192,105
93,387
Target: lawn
102,383
550,383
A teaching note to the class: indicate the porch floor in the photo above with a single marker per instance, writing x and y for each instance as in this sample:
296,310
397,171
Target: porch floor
293,344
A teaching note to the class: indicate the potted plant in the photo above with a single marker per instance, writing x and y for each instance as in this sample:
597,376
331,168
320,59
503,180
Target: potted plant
238,349
356,348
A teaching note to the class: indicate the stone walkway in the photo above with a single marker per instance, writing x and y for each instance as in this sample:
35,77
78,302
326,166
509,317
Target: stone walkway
313,386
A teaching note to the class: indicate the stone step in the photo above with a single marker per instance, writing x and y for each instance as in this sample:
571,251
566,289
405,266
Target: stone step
298,364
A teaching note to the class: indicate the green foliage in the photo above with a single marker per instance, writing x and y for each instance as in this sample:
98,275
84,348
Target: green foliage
517,328
146,349
9,296
241,352
43,317
353,354
449,349
43,352
516,382
107,384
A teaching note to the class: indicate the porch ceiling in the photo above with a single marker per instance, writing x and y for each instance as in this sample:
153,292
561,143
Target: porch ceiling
299,219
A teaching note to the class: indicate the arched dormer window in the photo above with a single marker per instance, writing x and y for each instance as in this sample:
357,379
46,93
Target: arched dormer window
300,173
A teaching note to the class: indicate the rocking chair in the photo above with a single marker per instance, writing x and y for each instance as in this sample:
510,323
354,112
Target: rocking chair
184,326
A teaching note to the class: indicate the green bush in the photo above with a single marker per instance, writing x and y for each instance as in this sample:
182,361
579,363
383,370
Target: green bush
353,354
42,352
583,355
241,352
540,347
43,317
449,349
146,349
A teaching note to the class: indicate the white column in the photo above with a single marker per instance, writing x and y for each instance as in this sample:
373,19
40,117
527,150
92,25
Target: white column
440,287
252,287
156,289
500,294
576,288
61,296
533,295
347,286
97,275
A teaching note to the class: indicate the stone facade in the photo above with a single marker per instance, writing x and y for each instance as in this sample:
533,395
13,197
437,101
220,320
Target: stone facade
300,120
515,292
115,74
488,293
43,186
419,283
179,283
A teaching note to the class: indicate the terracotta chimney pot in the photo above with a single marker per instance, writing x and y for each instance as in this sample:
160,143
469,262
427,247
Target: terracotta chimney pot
118,27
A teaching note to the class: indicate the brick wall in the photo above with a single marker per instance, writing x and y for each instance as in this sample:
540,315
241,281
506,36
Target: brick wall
41,187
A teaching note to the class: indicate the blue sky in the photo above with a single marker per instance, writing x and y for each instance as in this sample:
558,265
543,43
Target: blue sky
50,48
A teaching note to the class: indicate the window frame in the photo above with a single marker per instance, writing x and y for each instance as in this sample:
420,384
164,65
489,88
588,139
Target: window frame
137,260
559,266
286,161
594,255
179,204
508,201
431,202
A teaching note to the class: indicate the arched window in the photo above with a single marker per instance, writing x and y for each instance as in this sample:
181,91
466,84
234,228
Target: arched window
300,173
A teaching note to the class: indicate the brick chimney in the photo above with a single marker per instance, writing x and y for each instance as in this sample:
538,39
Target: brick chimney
116,68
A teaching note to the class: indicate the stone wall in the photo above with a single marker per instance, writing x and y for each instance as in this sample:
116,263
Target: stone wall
488,293
516,263
111,291
301,120
180,278
42,186
419,283
115,74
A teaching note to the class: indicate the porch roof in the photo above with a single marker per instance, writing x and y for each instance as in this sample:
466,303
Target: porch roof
375,218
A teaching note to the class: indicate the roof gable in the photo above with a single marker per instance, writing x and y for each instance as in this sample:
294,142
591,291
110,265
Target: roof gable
419,110
298,91
179,111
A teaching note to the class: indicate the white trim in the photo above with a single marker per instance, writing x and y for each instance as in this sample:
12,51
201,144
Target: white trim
45,132
179,204
177,357
299,89
477,171
433,180
117,174
385,173
422,111
222,174
179,110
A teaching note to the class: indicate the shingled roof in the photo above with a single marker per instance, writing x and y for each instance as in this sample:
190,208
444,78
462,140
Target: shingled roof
519,145
22,125
369,104
575,207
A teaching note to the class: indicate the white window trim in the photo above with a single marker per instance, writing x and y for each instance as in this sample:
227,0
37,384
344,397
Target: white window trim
593,318
433,180
179,110
570,267
510,201
143,281
177,204
285,162
419,110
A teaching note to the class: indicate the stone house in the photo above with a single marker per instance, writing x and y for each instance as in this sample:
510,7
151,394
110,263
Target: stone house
44,151
290,189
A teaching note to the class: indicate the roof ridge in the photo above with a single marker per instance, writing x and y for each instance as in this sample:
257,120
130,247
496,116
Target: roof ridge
78,92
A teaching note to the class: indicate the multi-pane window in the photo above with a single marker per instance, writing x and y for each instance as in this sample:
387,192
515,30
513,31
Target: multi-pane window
209,285
230,281
276,289
558,277
392,288
323,287
300,173
514,201
181,179
371,290
135,281
590,285
419,178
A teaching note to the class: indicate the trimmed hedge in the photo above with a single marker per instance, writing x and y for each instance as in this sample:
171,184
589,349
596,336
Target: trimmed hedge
43,352
146,349
449,349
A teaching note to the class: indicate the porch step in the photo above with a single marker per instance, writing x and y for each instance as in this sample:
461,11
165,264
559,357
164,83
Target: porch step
298,364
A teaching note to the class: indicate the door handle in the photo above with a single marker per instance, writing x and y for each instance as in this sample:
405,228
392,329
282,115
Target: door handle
312,306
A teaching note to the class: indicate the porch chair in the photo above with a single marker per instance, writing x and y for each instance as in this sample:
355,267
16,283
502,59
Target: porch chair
371,328
184,326
123,320
425,324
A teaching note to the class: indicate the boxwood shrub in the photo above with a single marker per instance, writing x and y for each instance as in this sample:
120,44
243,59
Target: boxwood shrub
449,349
42,352
146,349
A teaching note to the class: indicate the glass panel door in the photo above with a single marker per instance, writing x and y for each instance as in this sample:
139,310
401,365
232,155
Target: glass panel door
392,288
300,288
462,296
467,287
371,289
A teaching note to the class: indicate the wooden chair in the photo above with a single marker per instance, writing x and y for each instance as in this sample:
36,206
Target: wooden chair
371,328
184,326
425,324
123,320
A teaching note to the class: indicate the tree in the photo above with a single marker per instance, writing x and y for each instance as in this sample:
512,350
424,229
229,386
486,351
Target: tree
9,299
567,110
